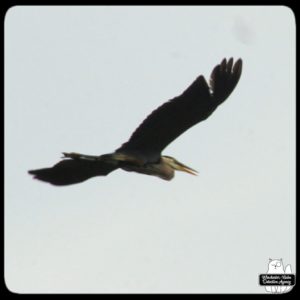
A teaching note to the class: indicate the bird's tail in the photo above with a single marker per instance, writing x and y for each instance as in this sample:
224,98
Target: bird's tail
76,168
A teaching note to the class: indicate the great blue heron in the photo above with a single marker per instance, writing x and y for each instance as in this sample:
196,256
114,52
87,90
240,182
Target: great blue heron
142,152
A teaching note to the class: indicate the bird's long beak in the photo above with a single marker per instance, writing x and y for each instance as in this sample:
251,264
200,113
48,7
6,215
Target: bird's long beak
184,168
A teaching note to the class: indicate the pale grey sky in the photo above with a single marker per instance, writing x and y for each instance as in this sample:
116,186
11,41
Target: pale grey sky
82,79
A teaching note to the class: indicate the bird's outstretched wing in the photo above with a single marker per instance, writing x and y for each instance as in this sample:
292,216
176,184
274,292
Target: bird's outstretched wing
70,171
195,104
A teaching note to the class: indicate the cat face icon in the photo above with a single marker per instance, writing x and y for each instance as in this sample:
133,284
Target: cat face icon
275,266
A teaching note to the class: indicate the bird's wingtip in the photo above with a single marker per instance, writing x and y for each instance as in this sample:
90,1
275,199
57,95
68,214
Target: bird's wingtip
237,68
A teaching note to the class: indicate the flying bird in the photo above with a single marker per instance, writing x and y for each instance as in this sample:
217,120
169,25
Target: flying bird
142,152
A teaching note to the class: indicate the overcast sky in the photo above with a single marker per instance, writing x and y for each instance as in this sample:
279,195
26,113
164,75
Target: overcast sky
81,79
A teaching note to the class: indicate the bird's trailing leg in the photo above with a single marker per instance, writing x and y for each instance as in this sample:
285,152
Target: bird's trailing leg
112,158
74,155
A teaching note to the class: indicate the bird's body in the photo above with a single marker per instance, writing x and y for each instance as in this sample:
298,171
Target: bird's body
142,152
160,169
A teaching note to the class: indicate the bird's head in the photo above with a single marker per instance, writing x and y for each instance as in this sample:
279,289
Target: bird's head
176,165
